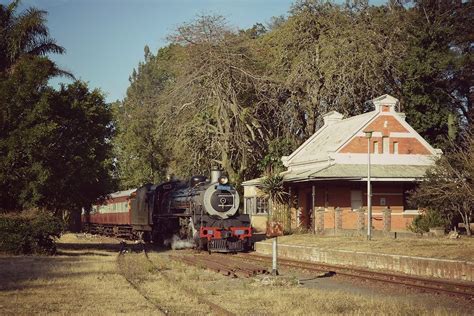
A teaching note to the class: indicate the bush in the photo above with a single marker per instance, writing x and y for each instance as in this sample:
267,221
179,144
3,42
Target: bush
31,232
423,222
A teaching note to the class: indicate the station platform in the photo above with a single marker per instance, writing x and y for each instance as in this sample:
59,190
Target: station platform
461,270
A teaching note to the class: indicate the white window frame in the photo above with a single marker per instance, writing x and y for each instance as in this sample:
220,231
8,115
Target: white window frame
385,145
261,205
376,147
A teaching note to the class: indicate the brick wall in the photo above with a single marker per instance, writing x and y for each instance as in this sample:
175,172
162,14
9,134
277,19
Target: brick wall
406,146
330,196
385,124
349,219
357,220
338,194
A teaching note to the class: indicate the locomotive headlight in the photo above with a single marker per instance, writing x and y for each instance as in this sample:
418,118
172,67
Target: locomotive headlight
223,180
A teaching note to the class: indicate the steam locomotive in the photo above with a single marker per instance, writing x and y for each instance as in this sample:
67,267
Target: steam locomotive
201,210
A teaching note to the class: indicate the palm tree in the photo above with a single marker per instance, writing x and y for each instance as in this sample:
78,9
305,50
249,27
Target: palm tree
25,34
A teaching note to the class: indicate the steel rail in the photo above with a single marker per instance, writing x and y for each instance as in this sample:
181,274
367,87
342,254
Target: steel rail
144,249
222,264
189,291
159,308
450,287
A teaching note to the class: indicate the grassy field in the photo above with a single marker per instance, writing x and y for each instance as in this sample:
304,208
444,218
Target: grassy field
88,277
83,279
442,248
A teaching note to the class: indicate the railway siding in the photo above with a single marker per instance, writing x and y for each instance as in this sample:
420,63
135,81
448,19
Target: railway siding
418,266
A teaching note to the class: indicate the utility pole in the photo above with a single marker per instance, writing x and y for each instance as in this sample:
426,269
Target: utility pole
274,256
368,134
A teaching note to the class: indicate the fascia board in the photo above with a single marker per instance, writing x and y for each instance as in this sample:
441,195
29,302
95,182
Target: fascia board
393,179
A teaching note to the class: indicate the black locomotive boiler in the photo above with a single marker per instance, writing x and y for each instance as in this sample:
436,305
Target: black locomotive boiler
201,210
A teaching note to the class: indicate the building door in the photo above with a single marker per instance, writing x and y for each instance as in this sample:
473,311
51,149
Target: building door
306,220
356,200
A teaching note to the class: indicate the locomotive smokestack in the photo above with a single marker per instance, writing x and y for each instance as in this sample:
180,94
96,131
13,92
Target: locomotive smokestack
215,174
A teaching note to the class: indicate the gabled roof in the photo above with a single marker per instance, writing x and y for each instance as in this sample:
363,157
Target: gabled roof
320,156
329,138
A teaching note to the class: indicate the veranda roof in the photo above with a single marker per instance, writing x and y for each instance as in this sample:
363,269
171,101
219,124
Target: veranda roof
357,172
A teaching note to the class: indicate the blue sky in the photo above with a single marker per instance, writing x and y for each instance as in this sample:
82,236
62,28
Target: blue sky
104,39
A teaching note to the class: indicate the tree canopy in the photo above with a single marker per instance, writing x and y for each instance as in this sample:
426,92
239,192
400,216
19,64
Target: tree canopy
221,96
55,146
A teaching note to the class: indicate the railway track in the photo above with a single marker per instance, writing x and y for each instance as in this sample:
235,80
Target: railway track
135,285
460,289
251,264
160,306
189,291
224,264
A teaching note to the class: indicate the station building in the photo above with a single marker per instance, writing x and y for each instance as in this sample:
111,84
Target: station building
326,176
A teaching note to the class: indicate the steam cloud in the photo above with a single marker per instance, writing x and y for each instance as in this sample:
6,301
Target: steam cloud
177,243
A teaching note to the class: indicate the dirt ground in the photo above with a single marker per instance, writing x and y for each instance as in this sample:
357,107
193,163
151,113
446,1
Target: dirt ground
89,277
441,248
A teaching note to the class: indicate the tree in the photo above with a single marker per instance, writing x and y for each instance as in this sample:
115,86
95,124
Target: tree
77,156
333,57
141,145
215,97
57,154
437,76
448,188
55,146
23,35
20,131
271,163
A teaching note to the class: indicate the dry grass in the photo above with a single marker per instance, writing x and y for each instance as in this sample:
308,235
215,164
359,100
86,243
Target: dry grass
153,283
284,296
442,248
76,282
89,278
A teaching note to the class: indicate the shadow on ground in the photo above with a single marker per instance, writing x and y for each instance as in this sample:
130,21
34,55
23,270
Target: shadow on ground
87,247
28,272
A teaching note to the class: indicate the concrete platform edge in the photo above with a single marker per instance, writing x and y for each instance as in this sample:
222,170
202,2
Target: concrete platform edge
418,266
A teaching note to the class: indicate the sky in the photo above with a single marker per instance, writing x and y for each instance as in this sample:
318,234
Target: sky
104,39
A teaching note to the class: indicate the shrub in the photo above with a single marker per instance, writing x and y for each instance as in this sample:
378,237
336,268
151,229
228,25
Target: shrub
423,222
30,232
